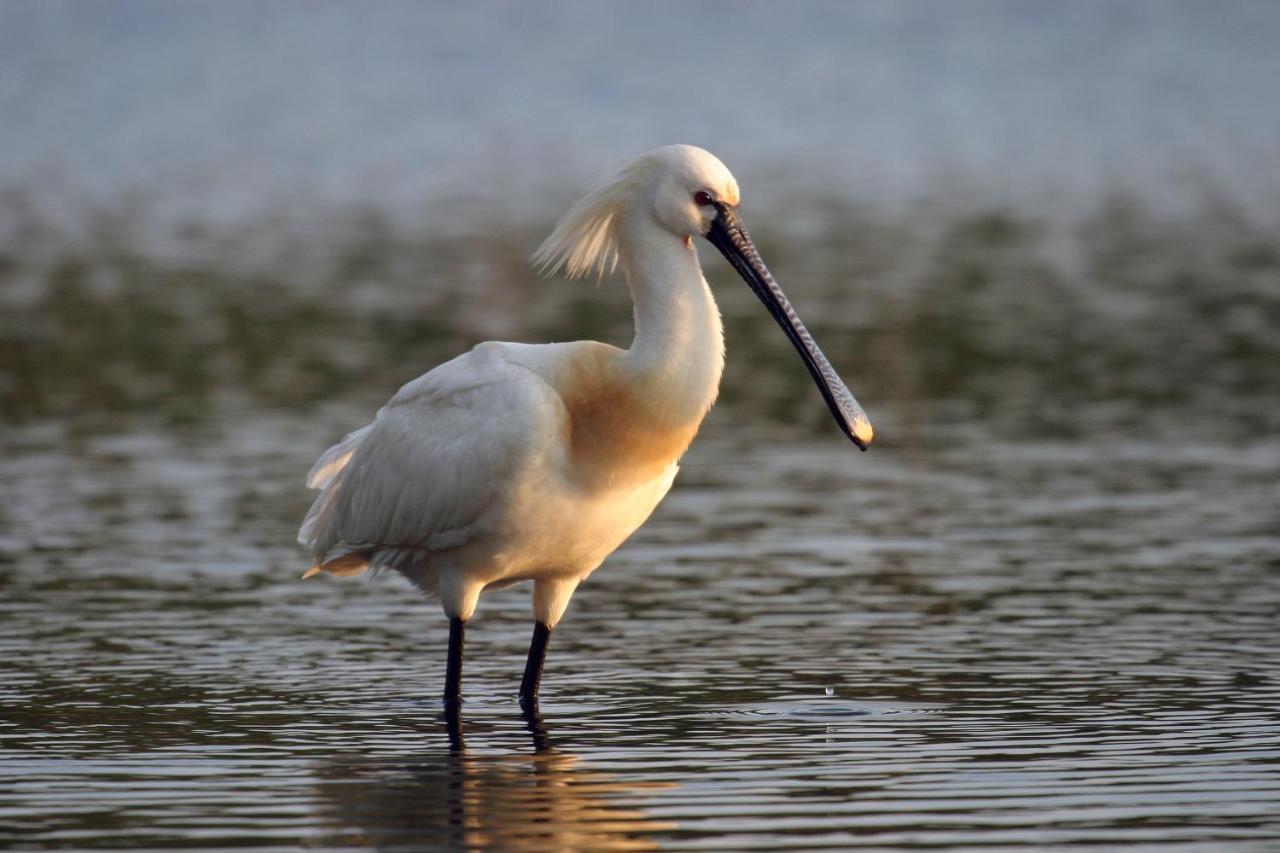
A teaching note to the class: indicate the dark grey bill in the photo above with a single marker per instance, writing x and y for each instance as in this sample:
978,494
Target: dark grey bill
730,236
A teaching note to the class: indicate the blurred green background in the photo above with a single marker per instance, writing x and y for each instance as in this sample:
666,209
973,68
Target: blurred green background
1124,317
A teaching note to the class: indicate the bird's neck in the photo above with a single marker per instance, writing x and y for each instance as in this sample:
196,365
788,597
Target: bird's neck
678,353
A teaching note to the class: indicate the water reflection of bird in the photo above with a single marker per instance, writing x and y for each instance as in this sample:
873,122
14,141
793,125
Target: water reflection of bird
519,462
463,800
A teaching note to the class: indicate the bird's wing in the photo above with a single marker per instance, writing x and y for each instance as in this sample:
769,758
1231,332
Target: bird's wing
436,465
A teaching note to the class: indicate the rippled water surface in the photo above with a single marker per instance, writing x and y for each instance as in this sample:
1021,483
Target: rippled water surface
969,643
1040,240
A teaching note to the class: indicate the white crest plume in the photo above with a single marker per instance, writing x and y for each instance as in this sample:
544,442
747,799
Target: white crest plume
585,240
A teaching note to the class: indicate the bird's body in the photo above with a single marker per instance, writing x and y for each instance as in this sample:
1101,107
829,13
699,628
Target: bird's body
516,478
519,462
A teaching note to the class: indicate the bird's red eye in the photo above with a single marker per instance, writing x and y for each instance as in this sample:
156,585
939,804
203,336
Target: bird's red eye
702,199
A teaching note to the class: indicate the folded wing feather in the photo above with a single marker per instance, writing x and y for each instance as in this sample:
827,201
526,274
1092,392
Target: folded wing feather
435,467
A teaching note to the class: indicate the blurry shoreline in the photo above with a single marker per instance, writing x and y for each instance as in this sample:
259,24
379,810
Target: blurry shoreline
1025,317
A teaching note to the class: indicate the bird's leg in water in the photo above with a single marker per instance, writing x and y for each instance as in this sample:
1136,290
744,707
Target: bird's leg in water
453,669
533,666
453,726
538,730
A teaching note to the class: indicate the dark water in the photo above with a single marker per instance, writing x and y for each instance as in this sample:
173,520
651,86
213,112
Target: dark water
967,642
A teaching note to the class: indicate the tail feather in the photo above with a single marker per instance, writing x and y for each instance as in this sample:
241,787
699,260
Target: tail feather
333,460
324,477
344,559
344,566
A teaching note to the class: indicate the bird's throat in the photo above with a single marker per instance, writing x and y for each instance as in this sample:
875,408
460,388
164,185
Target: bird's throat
677,356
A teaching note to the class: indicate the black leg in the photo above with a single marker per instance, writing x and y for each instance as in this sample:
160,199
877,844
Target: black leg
533,666
453,726
453,670
533,722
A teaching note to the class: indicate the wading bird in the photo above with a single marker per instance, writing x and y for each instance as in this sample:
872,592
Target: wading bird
521,462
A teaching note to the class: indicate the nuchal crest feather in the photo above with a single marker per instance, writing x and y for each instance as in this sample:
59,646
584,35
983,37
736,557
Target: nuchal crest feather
585,240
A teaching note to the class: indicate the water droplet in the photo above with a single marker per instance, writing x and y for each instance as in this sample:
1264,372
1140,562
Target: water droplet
830,691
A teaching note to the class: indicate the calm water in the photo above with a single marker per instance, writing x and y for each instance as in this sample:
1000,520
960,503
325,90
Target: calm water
1044,610
216,105
961,642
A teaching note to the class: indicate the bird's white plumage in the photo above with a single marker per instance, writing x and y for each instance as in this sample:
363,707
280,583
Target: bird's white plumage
437,466
534,462
463,482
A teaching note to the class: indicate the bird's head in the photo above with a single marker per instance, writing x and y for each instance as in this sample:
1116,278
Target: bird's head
688,191
676,186
685,186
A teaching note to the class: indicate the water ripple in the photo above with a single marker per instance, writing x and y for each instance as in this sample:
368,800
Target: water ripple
1018,649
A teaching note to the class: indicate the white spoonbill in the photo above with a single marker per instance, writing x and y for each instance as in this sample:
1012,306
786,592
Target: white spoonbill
521,462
